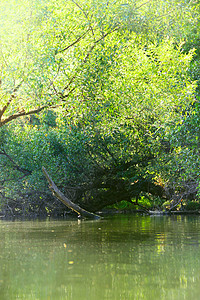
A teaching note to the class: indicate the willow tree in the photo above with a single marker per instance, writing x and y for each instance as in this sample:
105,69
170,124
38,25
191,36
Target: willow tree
45,46
116,76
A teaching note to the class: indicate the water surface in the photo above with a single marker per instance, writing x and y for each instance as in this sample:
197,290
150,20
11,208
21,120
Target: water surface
119,257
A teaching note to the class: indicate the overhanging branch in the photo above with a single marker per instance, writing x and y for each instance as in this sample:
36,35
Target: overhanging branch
58,194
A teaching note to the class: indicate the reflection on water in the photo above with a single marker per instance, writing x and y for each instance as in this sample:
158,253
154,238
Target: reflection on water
120,257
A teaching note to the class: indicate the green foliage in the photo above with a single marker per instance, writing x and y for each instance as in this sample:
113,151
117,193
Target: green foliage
123,81
145,202
123,205
192,205
39,54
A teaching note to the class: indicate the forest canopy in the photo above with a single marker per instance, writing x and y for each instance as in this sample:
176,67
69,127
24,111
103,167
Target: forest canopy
105,96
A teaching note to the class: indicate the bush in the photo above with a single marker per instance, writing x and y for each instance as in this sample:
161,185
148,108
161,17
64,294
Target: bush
192,205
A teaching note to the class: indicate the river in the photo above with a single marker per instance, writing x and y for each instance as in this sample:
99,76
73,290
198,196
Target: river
118,257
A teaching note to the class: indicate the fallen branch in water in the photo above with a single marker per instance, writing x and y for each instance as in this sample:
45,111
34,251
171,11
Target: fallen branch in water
58,194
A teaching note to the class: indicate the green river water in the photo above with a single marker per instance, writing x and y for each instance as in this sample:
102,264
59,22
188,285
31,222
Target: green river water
118,257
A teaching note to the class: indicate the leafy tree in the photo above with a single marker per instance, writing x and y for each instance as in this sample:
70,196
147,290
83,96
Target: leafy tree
119,82
42,61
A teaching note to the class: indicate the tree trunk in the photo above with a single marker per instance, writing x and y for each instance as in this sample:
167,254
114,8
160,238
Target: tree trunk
57,193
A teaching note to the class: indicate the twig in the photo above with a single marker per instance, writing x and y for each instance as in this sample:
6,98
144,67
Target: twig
86,16
143,4
74,43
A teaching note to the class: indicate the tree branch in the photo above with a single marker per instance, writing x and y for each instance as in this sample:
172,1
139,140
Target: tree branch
86,16
84,61
15,165
2,111
97,41
74,43
57,193
143,4
22,113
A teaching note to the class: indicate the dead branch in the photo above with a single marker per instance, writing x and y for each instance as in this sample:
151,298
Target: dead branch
57,193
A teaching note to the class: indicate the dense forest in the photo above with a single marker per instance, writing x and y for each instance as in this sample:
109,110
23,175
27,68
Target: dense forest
105,95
